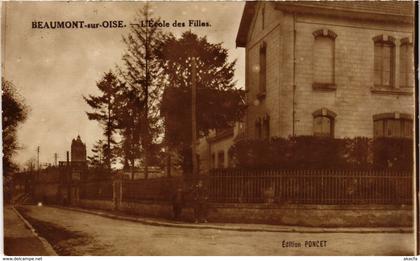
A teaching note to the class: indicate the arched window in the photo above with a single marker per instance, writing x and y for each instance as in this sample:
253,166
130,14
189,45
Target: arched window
324,58
393,125
384,53
324,121
406,63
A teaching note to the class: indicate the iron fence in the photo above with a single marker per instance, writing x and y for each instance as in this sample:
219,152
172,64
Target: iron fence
310,186
154,189
97,190
334,187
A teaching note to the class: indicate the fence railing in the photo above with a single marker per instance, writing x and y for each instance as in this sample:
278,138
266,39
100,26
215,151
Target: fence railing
334,187
155,189
310,187
97,190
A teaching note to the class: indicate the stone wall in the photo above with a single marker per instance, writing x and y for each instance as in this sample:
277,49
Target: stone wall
149,209
294,215
314,215
96,204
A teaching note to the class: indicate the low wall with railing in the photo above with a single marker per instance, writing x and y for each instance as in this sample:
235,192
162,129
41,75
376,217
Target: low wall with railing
298,197
96,190
46,192
97,194
325,187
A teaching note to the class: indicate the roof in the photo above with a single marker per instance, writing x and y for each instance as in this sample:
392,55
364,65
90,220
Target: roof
391,11
221,135
379,7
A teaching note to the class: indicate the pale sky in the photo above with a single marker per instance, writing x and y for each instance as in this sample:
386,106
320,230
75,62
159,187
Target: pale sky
52,69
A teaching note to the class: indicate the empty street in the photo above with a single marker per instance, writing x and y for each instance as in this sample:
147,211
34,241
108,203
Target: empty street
76,233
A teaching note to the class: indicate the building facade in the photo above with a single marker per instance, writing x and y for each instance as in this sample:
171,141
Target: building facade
339,69
214,149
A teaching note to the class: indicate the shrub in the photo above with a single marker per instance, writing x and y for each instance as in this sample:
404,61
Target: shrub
393,153
309,152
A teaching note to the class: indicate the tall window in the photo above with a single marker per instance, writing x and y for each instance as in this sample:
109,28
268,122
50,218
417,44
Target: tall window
323,58
213,161
393,125
406,63
384,53
263,64
258,129
221,159
324,120
266,127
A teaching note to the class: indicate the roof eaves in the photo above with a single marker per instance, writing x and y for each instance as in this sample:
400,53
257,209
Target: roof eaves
248,13
343,12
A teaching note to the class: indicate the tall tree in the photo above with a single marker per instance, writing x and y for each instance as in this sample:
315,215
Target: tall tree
14,112
96,160
219,102
105,111
130,119
141,73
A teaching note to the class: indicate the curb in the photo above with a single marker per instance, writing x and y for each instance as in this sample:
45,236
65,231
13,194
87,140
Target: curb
50,250
237,228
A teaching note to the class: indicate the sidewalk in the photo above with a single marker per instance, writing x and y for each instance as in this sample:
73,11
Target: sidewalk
20,239
240,227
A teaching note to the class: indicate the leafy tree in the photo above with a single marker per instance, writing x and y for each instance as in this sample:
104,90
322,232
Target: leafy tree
219,103
105,108
142,75
14,112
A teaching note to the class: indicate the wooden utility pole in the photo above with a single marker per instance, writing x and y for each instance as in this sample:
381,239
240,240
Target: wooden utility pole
37,157
194,118
55,159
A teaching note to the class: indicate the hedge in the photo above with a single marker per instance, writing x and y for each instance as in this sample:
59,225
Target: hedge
309,152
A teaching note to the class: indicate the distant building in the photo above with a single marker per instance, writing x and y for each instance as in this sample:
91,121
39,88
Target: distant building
328,68
78,150
214,149
76,162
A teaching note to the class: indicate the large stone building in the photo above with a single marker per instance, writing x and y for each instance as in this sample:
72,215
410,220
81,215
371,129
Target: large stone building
340,69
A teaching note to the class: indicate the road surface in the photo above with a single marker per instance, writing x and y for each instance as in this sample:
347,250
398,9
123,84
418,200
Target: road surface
76,233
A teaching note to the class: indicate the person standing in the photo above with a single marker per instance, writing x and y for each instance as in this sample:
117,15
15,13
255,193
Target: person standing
178,203
200,202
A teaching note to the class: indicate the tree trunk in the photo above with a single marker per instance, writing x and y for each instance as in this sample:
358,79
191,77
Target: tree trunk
109,141
132,169
146,112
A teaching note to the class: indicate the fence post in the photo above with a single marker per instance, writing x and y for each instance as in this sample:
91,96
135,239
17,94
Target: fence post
116,191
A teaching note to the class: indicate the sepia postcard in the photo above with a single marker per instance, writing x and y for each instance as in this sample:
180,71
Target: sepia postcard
206,128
